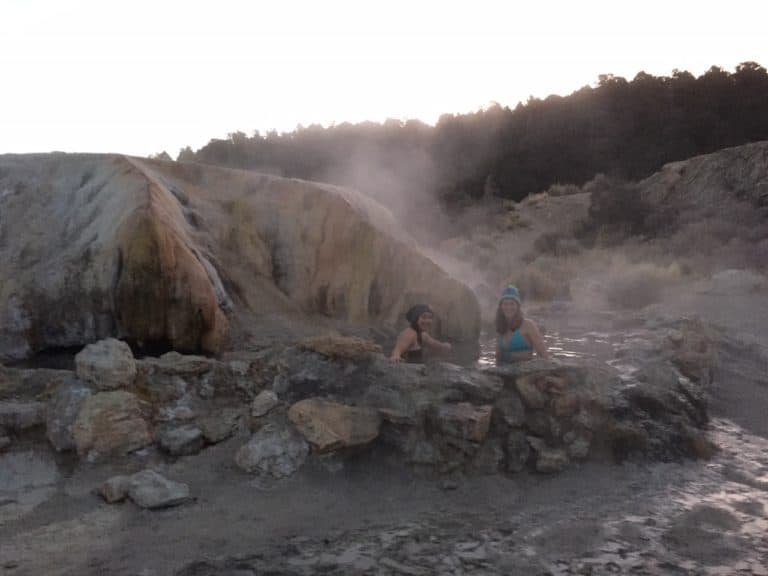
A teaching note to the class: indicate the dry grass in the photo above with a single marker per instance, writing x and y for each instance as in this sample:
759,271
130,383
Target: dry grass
634,286
545,279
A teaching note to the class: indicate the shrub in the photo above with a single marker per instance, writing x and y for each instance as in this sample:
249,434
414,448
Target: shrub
616,206
556,244
545,279
637,286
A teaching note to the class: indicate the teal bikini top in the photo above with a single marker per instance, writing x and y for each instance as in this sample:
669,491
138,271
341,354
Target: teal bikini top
517,343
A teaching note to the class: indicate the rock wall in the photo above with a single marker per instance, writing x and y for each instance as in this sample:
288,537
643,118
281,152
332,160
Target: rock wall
341,396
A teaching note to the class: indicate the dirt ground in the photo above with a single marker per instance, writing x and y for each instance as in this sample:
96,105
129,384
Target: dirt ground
370,515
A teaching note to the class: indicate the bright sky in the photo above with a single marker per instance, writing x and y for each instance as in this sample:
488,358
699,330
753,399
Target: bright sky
145,76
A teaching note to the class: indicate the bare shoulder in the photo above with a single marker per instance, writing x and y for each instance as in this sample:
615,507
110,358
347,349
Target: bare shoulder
529,327
529,324
408,334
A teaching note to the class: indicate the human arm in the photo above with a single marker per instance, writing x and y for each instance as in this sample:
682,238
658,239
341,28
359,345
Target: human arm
430,342
404,342
536,340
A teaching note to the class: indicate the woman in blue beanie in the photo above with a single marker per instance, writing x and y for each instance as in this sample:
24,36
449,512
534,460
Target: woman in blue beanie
519,337
415,338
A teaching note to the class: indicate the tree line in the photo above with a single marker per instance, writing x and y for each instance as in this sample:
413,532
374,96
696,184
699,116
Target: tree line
625,129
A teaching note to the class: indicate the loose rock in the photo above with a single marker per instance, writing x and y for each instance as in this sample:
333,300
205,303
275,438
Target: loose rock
149,489
273,451
181,441
108,364
115,489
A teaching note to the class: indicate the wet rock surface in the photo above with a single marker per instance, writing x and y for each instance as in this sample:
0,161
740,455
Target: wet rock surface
679,518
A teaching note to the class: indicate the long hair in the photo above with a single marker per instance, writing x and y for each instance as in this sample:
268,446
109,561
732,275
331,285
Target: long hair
502,324
415,326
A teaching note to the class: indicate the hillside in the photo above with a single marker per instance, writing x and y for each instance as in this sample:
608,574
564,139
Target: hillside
625,128
619,243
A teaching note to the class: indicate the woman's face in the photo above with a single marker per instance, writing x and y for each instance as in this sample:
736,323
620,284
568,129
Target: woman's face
510,308
425,321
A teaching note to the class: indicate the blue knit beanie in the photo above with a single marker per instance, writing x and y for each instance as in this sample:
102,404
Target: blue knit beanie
510,293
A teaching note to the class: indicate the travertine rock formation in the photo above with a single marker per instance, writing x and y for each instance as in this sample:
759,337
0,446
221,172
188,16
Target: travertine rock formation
167,254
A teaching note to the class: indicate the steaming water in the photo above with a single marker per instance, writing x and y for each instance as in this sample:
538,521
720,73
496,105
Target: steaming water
610,347
625,350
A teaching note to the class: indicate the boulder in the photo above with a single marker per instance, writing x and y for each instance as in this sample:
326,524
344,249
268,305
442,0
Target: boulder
578,445
273,451
220,425
63,410
331,426
462,384
263,403
463,420
148,489
182,410
530,390
175,364
21,415
169,377
107,364
665,392
115,489
181,441
110,423
160,388
517,451
548,460
341,347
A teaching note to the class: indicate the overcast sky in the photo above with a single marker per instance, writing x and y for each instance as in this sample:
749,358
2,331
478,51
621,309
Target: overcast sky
140,76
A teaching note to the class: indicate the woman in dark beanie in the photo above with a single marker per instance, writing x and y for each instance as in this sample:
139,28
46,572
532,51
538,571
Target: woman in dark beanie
415,338
519,337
